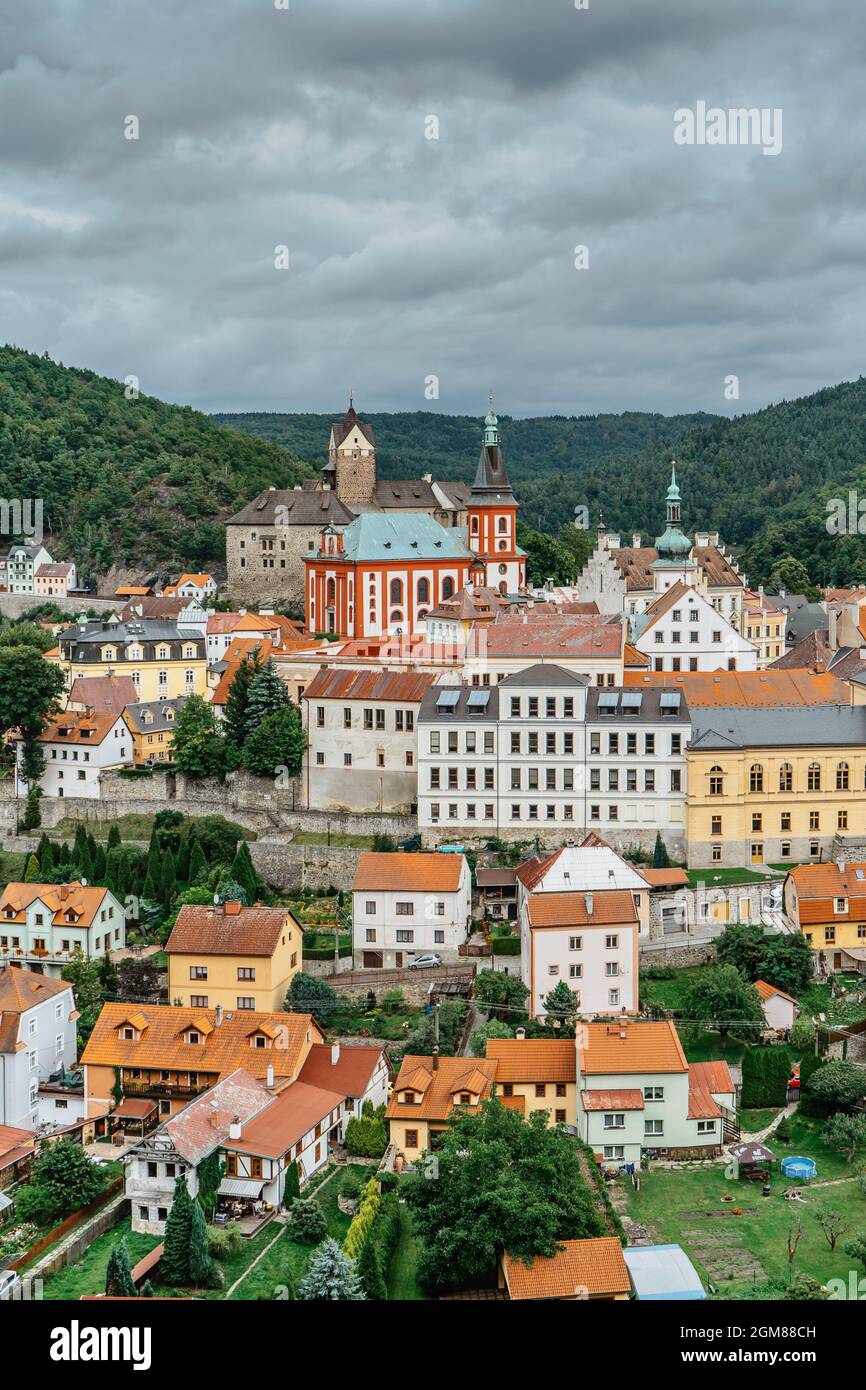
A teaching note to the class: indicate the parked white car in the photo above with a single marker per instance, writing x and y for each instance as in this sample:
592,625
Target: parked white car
425,962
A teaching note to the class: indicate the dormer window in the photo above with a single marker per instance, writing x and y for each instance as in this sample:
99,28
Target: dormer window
193,1038
258,1040
841,905
409,1098
128,1034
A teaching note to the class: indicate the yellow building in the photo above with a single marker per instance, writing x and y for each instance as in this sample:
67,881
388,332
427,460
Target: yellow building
162,660
764,624
766,786
538,1075
152,728
828,904
242,958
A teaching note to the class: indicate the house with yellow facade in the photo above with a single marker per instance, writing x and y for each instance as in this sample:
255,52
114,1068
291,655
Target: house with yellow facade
538,1075
151,725
426,1094
162,659
166,1056
764,624
770,785
828,904
242,958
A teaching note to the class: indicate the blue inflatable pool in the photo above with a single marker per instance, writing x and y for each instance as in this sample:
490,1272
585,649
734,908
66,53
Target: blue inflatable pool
799,1167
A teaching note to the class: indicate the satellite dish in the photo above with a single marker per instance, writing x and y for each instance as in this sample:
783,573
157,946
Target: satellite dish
84,883
216,898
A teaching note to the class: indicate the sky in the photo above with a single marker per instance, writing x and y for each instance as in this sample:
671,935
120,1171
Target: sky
430,167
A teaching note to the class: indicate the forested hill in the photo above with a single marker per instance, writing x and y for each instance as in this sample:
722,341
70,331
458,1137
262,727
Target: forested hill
129,482
547,455
761,480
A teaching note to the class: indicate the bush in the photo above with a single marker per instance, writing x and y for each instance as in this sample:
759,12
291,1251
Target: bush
224,1241
783,1131
835,1086
803,1036
308,1221
766,1071
367,1136
362,1222
350,1185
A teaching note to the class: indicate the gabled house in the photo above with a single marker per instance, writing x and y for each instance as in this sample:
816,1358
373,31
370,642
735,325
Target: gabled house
406,905
151,727
586,1270
77,748
426,1094
170,1055
37,1039
780,1009
240,957
586,940
42,924
536,1074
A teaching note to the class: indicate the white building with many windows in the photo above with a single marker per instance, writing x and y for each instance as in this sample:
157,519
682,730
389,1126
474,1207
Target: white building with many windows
43,924
78,747
37,1039
543,754
409,905
362,740
681,630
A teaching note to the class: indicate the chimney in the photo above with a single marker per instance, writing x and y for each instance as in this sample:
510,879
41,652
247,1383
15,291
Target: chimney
831,627
270,1077
335,1053
64,892
588,901
635,540
218,1016
520,1034
235,1127
435,1059
216,1117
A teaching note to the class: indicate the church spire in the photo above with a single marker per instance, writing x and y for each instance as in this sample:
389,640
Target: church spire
491,479
672,544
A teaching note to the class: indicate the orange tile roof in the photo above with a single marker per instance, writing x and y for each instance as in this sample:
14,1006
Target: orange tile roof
645,1047
666,878
770,991
216,931
12,1138
274,1130
533,1059
227,1046
408,686
440,1086
564,636
634,659
533,870
715,1076
350,1074
612,1100
59,898
21,990
79,727
609,907
706,689
701,1103
408,873
580,1268
819,885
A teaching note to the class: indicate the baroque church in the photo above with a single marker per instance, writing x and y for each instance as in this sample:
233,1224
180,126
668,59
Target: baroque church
268,540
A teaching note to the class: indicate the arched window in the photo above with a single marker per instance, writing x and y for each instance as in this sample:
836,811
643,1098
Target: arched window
814,777
423,591
447,588
396,616
502,526
332,590
842,777
786,777
503,587
716,781
396,591
474,526
756,778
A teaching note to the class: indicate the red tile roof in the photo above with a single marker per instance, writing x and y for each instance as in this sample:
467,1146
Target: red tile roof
603,908
579,1269
219,931
612,1100
566,635
405,686
350,1075
408,873
770,991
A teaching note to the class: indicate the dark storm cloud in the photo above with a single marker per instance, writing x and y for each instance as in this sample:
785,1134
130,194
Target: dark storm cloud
452,257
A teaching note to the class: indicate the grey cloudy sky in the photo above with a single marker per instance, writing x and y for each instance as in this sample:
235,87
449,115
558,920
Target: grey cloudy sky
453,257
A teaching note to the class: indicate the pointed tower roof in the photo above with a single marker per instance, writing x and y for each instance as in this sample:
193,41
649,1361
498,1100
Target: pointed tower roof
491,479
673,544
340,428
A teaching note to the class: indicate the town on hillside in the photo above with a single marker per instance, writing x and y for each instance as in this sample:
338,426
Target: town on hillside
372,849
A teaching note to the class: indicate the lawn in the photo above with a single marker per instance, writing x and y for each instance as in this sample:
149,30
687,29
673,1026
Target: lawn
12,865
685,1207
321,837
713,875
88,1275
669,994
284,1263
402,1281
753,1120
135,825
700,1045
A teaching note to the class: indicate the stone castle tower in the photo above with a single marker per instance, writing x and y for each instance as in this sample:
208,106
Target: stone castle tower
351,467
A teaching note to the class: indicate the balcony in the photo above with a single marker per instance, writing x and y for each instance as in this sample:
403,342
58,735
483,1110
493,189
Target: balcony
163,1090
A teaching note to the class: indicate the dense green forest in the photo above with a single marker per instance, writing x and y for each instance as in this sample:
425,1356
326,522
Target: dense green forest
130,482
547,455
762,480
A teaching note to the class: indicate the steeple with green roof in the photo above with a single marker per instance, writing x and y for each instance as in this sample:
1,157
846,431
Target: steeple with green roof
673,545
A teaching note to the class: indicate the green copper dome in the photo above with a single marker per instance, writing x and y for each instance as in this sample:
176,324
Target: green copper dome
673,541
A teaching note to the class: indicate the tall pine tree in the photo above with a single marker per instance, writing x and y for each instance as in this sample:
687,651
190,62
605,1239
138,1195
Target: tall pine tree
200,1264
174,1265
118,1276
268,693
243,872
235,714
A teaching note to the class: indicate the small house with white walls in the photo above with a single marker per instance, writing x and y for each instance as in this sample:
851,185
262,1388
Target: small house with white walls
589,942
780,1009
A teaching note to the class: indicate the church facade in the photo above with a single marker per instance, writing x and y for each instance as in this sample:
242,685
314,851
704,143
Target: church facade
382,575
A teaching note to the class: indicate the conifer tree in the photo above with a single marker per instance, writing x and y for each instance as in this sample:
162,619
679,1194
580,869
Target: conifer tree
197,862
99,864
200,1264
32,873
114,838
660,853
183,856
331,1277
44,855
243,872
268,693
235,715
118,1276
168,879
370,1271
174,1266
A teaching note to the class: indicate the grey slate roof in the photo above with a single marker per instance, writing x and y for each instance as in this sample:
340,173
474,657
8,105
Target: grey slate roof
803,726
158,710
543,675
300,507
431,713
140,630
